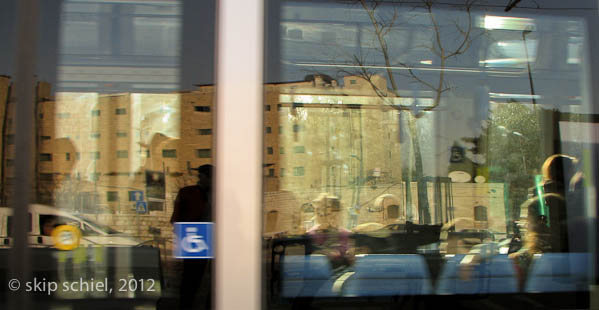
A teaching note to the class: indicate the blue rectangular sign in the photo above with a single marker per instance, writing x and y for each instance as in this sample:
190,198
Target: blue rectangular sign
136,195
193,240
141,207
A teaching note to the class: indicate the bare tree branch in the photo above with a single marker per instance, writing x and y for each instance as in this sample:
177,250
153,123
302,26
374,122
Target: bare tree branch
466,41
382,43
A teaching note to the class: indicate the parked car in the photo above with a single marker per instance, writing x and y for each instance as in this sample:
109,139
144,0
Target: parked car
404,238
44,219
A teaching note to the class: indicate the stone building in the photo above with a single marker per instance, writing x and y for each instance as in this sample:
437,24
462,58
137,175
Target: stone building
100,154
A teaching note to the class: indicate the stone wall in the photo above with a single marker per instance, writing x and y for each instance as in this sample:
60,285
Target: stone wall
291,206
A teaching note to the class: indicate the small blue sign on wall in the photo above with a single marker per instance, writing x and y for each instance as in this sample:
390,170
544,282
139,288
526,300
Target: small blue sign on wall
141,207
136,195
193,240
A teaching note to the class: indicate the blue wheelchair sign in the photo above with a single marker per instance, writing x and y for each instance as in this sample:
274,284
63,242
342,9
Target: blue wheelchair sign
193,240
141,207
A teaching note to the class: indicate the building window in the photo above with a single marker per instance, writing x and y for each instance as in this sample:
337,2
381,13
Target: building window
147,153
45,157
95,155
112,196
94,135
41,115
95,112
299,149
204,132
78,155
10,139
267,107
46,177
480,213
45,138
282,172
68,156
279,107
280,130
169,153
352,82
198,108
298,171
298,128
269,150
268,130
393,211
122,154
120,111
271,172
282,150
63,115
121,134
203,153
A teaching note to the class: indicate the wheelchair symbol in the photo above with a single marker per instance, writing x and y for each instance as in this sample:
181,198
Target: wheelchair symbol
193,243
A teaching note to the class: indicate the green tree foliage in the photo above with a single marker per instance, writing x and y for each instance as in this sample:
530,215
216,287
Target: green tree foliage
511,148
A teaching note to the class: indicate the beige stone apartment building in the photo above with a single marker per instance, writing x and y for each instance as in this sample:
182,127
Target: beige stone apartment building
100,154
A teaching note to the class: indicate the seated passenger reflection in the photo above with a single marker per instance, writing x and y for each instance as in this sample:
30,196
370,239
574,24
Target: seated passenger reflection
553,198
547,211
327,236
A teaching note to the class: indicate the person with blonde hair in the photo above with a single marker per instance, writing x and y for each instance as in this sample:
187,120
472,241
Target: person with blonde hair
328,237
547,210
547,218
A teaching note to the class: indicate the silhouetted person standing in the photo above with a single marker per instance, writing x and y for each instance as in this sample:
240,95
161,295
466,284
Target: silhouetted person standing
194,204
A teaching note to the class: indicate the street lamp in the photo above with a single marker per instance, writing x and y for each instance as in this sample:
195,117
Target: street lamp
532,88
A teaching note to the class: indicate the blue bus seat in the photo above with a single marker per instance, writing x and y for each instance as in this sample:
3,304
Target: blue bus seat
559,272
496,275
307,276
389,275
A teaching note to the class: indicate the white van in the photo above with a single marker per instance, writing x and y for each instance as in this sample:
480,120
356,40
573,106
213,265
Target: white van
42,219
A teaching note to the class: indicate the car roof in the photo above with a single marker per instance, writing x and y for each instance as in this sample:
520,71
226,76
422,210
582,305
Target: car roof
40,209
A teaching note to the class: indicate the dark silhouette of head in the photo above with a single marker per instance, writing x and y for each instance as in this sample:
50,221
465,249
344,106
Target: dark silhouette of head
205,175
559,168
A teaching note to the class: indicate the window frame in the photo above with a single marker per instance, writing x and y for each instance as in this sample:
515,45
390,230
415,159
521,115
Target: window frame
238,278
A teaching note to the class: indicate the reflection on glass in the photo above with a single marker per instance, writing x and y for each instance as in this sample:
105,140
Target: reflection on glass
117,135
112,47
411,141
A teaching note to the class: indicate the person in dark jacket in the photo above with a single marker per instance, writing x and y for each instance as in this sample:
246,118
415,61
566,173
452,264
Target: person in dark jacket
194,204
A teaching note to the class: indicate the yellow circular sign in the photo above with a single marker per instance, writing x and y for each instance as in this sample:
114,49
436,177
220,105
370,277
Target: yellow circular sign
66,237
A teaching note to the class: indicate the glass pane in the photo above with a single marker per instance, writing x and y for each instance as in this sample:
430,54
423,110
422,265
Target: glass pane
427,150
122,154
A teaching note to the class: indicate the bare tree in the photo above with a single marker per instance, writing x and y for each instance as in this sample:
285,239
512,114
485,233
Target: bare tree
439,47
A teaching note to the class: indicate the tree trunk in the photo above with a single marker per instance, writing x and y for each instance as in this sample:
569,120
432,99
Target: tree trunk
424,216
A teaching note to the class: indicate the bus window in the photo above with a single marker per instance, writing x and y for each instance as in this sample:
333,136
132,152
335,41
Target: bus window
122,90
474,122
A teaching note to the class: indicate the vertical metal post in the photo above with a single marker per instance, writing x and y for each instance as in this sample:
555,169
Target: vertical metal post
532,87
591,72
27,21
238,161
